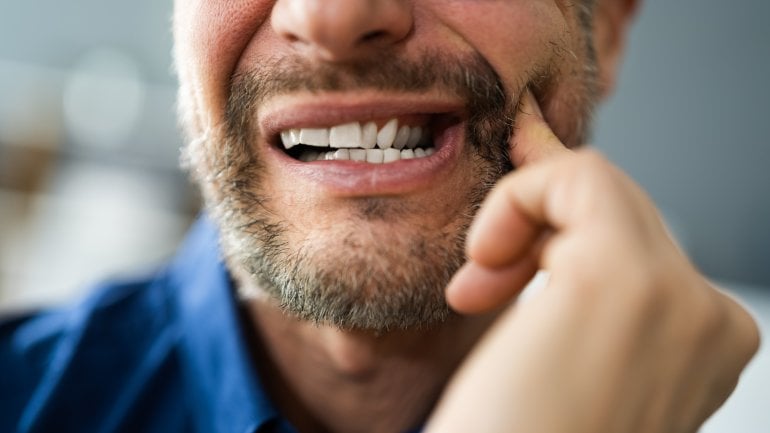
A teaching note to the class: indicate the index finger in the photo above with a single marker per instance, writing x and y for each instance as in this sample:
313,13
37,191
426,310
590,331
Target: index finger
533,139
502,232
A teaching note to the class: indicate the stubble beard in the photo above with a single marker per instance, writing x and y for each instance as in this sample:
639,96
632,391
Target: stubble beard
388,276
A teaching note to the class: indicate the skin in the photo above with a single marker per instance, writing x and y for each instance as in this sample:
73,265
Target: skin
617,282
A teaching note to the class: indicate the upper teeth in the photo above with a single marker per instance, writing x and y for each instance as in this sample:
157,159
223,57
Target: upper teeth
354,135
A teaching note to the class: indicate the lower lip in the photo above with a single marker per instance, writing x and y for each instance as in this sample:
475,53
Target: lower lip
361,179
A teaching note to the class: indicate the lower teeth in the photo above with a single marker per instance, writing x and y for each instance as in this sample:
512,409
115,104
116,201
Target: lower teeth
374,156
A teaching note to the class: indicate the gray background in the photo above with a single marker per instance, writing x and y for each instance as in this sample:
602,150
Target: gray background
690,122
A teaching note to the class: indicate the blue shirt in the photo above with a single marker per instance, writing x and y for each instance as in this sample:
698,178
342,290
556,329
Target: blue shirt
161,354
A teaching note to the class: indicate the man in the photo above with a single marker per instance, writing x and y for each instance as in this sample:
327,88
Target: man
344,148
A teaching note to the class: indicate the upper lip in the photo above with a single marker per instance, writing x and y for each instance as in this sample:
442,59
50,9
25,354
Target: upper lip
334,109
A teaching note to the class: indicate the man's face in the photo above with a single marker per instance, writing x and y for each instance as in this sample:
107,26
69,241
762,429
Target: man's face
365,244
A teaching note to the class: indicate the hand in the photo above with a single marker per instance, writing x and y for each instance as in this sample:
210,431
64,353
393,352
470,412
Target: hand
627,336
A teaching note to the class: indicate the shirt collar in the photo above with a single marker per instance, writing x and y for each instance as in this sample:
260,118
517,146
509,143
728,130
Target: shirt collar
225,392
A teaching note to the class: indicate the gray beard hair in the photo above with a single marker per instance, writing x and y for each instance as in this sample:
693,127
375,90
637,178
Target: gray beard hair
367,281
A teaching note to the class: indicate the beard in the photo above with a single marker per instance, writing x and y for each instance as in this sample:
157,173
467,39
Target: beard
378,270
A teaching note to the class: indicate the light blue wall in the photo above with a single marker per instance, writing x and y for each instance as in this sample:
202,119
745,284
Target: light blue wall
690,121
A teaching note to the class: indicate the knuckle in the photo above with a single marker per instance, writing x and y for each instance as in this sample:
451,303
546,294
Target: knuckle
701,314
749,333
708,320
721,319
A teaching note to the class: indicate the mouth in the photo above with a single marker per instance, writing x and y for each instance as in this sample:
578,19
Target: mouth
365,146
381,141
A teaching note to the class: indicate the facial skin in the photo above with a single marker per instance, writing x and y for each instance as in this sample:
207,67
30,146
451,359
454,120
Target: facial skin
352,244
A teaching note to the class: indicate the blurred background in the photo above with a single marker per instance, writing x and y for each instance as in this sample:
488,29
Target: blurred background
89,178
89,184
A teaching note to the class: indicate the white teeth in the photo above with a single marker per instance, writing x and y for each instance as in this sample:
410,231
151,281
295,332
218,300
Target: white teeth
369,135
345,136
402,136
358,154
356,142
387,134
374,156
415,134
342,154
290,138
318,137
391,155
286,139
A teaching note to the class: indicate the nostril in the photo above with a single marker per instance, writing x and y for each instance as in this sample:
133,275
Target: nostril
375,34
338,30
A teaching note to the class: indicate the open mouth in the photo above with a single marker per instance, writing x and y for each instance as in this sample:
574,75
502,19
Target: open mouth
379,141
365,144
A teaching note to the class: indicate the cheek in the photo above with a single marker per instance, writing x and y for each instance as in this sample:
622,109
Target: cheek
515,37
210,36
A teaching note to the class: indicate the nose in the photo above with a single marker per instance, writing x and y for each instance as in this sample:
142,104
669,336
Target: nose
339,30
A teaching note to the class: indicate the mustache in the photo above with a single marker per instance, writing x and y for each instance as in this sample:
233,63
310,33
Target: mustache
467,76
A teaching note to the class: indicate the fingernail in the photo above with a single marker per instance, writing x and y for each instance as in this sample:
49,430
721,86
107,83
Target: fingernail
533,102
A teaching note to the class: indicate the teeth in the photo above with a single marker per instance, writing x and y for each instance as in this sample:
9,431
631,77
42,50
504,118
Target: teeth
415,134
369,135
286,139
358,154
342,154
391,155
375,156
360,142
290,138
387,134
318,137
345,136
402,136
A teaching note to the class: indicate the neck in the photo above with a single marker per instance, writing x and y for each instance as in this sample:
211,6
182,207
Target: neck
328,380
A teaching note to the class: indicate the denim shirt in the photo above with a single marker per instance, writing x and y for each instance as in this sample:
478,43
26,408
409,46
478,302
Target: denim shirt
165,353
